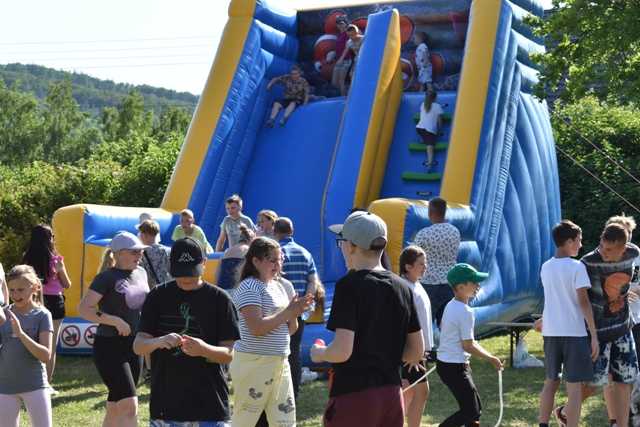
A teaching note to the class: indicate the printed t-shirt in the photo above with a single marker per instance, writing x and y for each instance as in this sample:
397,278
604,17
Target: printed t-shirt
231,227
155,262
123,293
561,279
610,283
457,325
440,242
20,371
378,307
185,388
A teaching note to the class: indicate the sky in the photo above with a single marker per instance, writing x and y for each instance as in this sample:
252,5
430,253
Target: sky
162,43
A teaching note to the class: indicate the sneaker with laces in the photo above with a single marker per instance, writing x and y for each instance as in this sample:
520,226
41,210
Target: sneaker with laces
560,416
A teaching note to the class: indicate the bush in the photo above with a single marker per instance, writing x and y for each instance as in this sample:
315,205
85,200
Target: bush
616,131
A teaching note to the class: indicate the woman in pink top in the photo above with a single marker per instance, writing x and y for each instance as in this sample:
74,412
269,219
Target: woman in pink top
49,266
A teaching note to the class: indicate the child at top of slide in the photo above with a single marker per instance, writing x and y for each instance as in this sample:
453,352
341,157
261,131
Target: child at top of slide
413,265
26,337
429,126
341,69
188,228
423,60
457,343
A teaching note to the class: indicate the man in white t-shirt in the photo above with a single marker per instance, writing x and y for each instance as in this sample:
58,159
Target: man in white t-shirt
440,241
457,344
568,350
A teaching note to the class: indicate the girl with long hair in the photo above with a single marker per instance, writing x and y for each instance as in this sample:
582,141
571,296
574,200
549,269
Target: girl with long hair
48,264
429,126
268,310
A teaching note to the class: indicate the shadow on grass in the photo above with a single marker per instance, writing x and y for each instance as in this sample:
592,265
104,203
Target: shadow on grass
65,398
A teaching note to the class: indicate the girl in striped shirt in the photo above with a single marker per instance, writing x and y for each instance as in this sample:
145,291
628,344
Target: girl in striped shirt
268,310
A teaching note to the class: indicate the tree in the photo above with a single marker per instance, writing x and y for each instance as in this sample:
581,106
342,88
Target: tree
615,131
20,127
593,48
68,132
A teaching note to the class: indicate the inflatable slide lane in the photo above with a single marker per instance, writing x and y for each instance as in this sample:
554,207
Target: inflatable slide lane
336,153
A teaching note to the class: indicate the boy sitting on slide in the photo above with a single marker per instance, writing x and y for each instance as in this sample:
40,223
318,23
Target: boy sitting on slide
296,92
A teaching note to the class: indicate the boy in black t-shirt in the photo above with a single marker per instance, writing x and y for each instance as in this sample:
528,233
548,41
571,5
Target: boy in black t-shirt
189,327
376,329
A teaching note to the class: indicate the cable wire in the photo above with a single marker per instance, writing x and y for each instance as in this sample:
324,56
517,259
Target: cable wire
568,122
598,179
119,49
102,41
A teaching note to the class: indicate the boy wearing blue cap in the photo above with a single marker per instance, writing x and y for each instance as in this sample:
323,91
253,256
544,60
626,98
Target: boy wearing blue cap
457,344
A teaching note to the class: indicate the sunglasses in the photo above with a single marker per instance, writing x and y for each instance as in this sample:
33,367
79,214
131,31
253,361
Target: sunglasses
339,241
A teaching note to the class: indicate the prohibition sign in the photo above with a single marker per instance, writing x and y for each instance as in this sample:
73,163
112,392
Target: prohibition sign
89,334
71,335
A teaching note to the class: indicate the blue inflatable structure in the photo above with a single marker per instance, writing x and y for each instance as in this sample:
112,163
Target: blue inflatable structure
496,157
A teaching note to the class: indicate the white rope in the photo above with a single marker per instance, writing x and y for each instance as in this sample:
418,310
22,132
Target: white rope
501,398
419,379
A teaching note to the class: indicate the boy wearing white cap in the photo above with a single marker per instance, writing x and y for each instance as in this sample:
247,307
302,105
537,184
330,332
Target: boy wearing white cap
376,329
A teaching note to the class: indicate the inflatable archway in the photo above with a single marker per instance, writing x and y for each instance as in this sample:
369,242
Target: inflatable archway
497,163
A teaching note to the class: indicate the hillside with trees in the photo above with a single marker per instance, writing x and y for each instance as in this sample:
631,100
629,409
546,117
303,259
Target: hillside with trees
54,154
91,94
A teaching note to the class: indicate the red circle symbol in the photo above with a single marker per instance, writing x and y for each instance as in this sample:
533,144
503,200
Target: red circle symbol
89,334
71,335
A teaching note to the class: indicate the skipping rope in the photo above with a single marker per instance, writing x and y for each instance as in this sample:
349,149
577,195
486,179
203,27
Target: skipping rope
500,393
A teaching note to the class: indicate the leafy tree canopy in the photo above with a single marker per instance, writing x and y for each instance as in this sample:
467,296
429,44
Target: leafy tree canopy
593,47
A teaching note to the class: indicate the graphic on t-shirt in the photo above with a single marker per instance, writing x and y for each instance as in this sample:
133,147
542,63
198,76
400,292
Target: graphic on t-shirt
134,292
616,286
185,311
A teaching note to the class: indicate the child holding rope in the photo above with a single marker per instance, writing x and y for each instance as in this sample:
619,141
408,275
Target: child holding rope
413,264
457,344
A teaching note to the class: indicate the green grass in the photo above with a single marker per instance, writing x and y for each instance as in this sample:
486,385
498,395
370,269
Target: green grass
82,394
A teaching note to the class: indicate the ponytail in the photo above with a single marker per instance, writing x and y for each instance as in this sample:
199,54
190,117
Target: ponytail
429,99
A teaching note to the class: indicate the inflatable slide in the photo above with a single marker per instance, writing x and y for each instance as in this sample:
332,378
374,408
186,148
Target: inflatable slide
496,157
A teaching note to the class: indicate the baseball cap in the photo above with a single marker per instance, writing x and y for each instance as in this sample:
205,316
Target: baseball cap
362,229
186,258
462,273
125,240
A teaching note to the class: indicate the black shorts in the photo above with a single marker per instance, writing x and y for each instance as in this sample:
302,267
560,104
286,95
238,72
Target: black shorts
118,366
413,375
286,101
55,304
428,138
